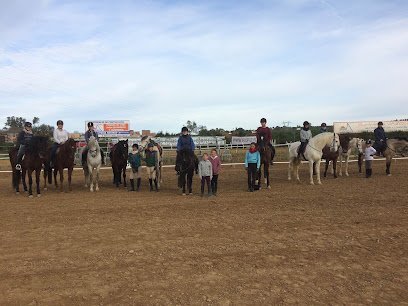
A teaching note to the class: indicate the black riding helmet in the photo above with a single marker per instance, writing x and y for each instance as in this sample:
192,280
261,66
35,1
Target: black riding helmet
90,124
135,145
323,124
60,122
184,129
263,120
306,123
28,124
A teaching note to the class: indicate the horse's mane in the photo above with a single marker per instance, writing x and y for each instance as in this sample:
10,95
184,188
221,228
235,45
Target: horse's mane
401,138
145,138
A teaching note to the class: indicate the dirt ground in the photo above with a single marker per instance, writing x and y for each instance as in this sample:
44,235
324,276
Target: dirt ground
344,242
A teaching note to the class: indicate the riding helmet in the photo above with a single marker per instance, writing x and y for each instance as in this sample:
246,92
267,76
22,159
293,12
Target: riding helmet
135,145
263,120
380,123
306,123
150,145
60,122
28,124
90,124
368,141
184,129
323,124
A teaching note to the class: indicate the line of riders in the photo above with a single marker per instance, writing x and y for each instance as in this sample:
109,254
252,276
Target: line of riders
185,141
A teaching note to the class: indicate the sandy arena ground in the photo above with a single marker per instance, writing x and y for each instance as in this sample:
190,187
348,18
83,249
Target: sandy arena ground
343,242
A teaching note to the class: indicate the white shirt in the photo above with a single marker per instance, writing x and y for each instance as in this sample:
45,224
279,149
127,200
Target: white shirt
369,151
60,136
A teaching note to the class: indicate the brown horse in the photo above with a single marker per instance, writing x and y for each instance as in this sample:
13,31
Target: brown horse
267,155
330,156
394,146
34,158
119,156
64,158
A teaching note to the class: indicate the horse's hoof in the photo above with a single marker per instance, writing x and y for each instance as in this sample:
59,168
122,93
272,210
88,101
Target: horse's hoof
91,190
97,189
269,187
39,195
30,196
17,192
183,194
347,174
319,183
45,189
312,183
389,174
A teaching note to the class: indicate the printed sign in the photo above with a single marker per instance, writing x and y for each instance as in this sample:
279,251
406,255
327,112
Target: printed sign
242,140
369,126
111,128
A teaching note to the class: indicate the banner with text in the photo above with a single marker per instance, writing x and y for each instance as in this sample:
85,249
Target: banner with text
242,140
111,128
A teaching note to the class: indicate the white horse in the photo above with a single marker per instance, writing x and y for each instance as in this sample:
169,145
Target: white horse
93,161
355,145
313,154
142,149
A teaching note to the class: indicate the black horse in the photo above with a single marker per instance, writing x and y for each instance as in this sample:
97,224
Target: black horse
119,156
34,158
186,164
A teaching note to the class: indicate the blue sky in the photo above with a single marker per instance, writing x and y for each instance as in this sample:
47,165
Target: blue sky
220,63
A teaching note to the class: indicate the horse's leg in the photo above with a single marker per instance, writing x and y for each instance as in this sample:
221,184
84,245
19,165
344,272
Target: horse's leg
183,183
90,178
23,179
124,176
360,162
70,169
17,178
30,183
117,177
37,181
61,172
266,174
325,168
311,167
190,183
335,168
347,164
290,170
388,159
55,177
318,171
97,177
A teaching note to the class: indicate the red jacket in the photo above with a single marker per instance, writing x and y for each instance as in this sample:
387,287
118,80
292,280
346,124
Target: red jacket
265,132
216,164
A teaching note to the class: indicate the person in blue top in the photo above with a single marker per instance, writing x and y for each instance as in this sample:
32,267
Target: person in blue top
380,143
184,143
134,159
252,165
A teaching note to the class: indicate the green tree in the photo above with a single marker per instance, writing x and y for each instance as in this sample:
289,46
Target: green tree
15,122
43,130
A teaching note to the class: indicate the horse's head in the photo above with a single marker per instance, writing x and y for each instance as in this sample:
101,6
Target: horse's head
359,145
123,148
344,142
335,143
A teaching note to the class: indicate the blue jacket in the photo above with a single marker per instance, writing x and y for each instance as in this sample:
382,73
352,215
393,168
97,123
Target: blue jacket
185,142
379,134
253,158
24,138
135,160
88,135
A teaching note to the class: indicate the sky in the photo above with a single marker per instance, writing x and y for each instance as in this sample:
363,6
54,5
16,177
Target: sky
223,64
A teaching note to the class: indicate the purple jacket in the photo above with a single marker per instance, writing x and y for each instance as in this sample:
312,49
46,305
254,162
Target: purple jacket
216,164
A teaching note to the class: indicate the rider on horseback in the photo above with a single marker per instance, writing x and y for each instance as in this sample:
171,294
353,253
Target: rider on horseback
305,136
264,137
380,143
323,127
23,139
91,132
184,143
60,137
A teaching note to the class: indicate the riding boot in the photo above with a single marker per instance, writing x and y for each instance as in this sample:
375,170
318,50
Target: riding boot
132,185
367,173
151,184
155,185
370,172
138,184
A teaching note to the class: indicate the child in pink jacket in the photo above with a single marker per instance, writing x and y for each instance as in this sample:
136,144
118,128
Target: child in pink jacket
216,167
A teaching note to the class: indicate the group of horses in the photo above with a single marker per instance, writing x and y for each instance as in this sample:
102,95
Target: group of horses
38,157
329,146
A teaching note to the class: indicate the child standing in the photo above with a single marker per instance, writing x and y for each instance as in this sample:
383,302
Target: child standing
369,157
136,167
252,165
151,166
216,167
205,172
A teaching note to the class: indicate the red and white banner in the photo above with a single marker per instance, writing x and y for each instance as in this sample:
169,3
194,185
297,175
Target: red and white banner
369,126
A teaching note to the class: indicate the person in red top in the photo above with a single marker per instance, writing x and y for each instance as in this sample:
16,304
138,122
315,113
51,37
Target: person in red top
264,137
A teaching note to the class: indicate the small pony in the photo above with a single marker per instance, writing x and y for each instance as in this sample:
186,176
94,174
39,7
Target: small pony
93,161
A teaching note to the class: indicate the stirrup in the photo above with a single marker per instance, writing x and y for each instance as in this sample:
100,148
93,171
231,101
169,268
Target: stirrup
18,167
